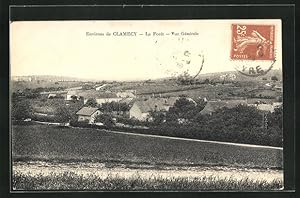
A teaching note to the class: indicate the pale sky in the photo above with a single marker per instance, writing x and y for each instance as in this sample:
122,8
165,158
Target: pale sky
63,48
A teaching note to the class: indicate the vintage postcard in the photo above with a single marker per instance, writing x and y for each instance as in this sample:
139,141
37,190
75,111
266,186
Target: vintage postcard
146,105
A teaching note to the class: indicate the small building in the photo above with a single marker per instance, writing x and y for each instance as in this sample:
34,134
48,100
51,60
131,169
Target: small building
88,113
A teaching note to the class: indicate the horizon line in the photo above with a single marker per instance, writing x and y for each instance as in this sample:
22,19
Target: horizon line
95,78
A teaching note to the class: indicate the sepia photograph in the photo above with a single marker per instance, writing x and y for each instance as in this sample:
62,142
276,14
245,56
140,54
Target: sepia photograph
146,105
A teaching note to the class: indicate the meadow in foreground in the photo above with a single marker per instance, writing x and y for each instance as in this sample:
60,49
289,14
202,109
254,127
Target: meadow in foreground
49,143
72,181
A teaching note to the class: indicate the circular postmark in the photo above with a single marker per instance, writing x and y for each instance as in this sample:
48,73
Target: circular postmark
254,68
187,63
185,60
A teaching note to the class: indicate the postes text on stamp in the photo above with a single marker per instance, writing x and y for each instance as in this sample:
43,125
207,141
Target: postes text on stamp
252,42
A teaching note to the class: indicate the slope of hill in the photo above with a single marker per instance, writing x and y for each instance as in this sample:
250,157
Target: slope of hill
219,76
240,77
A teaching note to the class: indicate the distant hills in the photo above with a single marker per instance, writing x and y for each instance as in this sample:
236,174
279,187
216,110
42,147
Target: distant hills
47,78
210,76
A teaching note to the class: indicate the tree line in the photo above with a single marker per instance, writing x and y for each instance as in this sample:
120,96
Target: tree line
241,124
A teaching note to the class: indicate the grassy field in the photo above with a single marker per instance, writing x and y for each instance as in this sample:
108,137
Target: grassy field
72,181
219,91
42,142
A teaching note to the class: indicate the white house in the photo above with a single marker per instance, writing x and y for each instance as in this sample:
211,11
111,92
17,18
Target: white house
88,113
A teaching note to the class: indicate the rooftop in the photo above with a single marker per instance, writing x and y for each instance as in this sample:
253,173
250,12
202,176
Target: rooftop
159,104
87,111
212,106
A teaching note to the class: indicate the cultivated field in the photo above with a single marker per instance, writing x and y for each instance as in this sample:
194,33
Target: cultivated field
47,157
42,142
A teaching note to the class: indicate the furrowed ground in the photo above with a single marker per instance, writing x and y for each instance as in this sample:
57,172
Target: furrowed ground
48,143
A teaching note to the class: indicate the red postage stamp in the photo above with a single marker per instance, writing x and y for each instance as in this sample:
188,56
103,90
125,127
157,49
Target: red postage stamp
252,42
